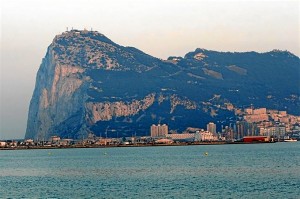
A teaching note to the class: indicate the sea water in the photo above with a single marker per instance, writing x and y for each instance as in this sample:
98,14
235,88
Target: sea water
213,171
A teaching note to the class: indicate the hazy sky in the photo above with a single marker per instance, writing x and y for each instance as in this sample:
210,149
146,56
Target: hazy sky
158,27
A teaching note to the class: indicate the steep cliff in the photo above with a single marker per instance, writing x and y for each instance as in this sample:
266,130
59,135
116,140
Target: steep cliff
57,98
87,83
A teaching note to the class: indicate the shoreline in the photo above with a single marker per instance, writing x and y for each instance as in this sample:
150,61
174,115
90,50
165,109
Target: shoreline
128,145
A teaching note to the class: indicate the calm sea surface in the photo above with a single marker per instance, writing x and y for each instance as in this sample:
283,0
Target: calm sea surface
228,171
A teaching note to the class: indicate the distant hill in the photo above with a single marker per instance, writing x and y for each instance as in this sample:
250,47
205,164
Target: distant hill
87,83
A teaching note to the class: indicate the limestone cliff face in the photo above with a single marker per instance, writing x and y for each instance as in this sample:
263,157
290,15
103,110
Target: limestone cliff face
87,83
56,98
105,111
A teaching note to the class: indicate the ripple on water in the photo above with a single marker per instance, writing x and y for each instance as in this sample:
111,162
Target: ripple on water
229,171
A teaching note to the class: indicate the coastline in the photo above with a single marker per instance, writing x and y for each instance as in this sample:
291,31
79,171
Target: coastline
127,145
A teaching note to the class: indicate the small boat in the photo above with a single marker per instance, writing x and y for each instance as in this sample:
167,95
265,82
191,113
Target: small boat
290,140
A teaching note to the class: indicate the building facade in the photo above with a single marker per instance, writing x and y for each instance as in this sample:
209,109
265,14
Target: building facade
159,130
205,136
211,127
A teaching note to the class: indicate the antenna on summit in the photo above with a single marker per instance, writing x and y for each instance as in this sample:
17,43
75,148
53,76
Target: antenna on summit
67,29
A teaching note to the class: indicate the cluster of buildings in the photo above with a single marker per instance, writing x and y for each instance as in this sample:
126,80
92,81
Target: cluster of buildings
275,124
160,134
54,141
250,123
263,122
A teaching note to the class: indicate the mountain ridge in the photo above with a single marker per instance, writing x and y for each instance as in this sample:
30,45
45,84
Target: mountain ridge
87,83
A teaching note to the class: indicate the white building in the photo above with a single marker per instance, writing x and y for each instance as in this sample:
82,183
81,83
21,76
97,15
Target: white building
205,136
181,136
2,144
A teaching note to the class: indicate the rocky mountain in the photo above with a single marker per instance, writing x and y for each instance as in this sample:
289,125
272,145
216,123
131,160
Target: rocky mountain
87,83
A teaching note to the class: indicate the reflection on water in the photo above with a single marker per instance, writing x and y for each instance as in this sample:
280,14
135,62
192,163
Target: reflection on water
227,171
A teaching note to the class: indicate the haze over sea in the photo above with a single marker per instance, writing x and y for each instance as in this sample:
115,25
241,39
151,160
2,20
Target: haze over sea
214,171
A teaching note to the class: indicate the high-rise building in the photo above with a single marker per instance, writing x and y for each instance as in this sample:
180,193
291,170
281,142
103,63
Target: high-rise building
211,127
163,130
246,129
159,130
228,133
154,130
241,129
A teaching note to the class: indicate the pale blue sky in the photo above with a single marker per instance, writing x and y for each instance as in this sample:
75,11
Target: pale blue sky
160,28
